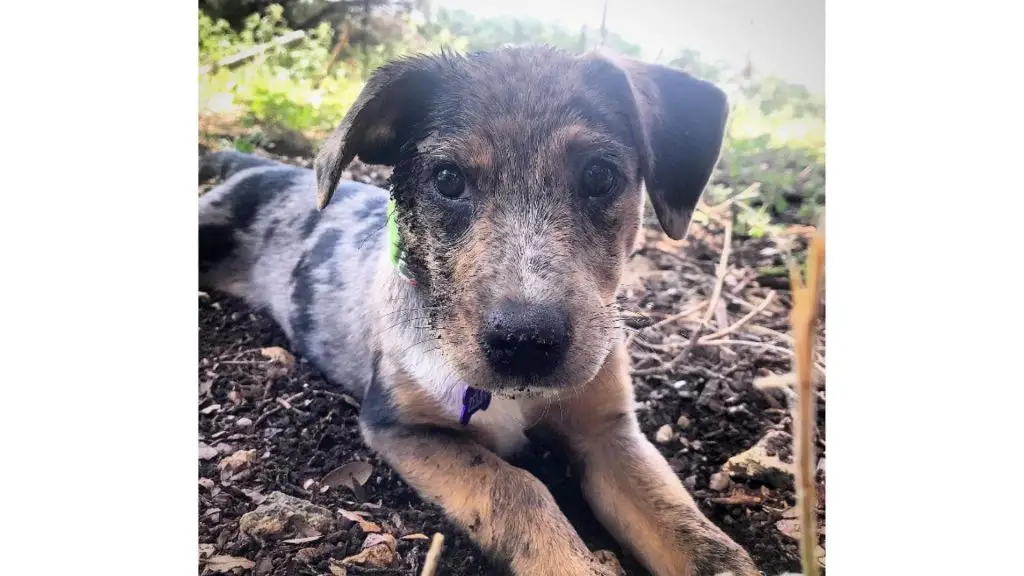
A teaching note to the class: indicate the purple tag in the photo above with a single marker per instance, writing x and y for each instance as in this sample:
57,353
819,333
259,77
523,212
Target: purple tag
473,400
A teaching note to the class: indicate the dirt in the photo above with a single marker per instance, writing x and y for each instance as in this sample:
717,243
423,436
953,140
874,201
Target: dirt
299,427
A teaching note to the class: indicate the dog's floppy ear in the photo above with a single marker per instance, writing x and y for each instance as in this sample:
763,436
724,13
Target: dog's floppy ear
678,122
380,121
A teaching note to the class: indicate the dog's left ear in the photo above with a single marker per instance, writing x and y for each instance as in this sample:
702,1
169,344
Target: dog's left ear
678,122
381,120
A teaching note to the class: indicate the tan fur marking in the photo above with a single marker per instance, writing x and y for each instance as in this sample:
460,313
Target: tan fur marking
631,487
505,510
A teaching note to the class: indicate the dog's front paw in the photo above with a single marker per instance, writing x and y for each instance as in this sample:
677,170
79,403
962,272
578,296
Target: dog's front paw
608,560
723,557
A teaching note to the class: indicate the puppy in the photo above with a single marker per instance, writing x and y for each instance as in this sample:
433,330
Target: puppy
476,298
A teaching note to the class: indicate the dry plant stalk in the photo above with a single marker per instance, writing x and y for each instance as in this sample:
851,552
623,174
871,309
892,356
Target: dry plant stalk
433,555
804,319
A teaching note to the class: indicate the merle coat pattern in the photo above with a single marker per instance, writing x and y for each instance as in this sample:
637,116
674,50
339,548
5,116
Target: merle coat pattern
518,179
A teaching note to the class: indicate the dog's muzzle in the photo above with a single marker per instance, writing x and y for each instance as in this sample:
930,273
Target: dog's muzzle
525,340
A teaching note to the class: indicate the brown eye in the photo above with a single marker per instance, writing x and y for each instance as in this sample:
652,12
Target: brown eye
449,182
598,179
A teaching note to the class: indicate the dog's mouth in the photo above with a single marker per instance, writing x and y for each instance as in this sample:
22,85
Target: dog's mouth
528,351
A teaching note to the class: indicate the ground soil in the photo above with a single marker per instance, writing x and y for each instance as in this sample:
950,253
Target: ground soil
301,427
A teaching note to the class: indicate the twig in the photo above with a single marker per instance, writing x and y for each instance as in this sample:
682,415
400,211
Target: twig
433,555
264,416
668,320
248,53
754,343
804,317
760,308
716,293
338,47
714,211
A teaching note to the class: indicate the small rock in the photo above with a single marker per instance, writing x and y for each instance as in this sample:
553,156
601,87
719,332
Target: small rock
207,452
281,513
243,422
719,481
764,461
206,483
690,482
237,461
680,385
696,445
664,434
279,355
683,423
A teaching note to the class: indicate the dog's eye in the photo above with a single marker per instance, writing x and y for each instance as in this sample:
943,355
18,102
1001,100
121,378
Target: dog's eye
449,181
598,179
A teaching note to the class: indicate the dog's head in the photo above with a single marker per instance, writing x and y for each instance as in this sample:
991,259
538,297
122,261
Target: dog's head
517,180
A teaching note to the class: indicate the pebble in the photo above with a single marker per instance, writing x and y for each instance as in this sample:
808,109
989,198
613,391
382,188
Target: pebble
762,462
719,481
243,422
683,422
279,511
664,434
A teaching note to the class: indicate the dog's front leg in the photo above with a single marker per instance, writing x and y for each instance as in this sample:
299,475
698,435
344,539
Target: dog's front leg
507,511
632,489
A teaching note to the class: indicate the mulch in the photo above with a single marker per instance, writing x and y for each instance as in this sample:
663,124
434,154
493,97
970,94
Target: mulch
292,427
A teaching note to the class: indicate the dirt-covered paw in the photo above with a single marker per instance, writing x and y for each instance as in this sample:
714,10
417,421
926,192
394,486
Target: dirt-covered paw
724,558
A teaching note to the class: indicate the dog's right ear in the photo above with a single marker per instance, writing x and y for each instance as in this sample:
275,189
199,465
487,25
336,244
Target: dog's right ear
380,122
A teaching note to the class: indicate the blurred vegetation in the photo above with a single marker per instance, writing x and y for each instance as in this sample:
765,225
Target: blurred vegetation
775,139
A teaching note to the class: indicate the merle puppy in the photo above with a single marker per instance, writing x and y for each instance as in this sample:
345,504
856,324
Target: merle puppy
475,299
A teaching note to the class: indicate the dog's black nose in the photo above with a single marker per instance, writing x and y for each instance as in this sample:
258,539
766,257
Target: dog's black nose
525,340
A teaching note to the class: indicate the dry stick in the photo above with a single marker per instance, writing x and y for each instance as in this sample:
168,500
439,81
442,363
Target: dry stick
433,555
673,318
248,53
723,267
736,325
803,317
714,211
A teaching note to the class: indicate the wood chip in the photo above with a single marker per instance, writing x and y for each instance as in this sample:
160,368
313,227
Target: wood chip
366,525
206,550
353,474
237,461
378,551
305,540
224,564
740,498
279,355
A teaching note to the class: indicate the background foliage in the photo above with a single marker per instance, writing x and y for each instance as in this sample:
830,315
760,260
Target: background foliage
300,91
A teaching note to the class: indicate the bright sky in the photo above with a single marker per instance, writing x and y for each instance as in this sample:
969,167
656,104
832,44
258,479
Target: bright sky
784,38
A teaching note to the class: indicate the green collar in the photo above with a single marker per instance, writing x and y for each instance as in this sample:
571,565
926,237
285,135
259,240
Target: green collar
395,250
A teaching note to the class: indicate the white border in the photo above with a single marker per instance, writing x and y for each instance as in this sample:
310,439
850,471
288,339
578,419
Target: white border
99,324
